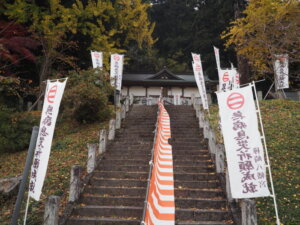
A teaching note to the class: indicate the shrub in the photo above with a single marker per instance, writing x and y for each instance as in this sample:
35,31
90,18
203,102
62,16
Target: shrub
86,96
15,129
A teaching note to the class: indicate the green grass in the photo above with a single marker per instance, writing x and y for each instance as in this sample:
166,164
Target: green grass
281,120
69,148
282,126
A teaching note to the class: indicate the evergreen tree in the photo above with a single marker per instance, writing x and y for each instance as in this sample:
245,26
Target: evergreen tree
189,26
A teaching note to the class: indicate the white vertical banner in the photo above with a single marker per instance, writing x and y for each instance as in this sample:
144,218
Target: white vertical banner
53,96
281,69
243,144
120,74
235,78
97,59
225,80
199,77
224,75
116,70
217,55
196,57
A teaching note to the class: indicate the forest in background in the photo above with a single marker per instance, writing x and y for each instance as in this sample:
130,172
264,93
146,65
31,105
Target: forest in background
42,40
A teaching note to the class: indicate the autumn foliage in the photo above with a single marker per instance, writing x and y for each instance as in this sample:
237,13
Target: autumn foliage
16,44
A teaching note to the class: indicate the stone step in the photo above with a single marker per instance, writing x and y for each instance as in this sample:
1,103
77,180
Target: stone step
182,162
125,156
109,211
225,222
182,151
120,174
118,182
116,191
142,141
121,148
199,193
191,157
182,147
191,203
102,221
128,168
125,162
187,139
195,176
197,184
119,201
145,151
202,214
191,169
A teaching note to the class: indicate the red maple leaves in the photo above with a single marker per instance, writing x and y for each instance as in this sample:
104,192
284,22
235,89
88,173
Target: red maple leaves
16,44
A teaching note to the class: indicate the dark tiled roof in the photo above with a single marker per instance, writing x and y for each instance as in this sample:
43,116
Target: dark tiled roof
162,78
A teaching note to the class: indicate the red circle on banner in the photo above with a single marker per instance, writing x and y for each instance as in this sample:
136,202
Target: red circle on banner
196,58
51,94
235,101
225,77
237,78
97,55
198,68
116,57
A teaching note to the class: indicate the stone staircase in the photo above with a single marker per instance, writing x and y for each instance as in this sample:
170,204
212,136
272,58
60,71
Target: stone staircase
199,198
116,193
117,190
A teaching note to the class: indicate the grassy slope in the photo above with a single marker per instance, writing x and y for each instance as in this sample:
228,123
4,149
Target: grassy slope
69,148
281,121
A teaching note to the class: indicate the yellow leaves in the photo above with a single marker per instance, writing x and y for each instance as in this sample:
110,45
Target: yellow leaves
269,27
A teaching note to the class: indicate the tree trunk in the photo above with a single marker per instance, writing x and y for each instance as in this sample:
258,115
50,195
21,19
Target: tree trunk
44,69
244,69
243,65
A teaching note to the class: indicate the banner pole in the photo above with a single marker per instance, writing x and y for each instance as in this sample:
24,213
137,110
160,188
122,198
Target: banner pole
28,163
267,155
26,210
269,90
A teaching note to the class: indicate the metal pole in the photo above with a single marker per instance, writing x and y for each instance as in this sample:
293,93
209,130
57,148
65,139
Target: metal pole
269,90
28,163
26,210
267,156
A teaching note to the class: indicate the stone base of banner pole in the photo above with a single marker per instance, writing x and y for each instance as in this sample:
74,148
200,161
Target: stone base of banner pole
127,104
92,155
220,158
118,119
123,112
248,208
75,183
259,95
102,141
131,98
112,130
197,112
51,210
209,99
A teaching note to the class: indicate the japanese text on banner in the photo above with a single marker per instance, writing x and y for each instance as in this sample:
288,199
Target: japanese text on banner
199,77
116,71
53,96
97,59
281,68
244,150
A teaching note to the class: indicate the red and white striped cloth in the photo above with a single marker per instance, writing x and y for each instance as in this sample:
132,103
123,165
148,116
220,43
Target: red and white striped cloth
161,204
